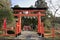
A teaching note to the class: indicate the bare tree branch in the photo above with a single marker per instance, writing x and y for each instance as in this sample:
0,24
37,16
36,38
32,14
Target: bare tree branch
54,8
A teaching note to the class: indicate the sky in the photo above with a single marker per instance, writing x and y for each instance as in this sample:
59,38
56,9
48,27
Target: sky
28,3
23,3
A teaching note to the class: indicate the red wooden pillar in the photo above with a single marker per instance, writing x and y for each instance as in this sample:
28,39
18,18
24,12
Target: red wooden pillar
4,24
4,27
19,21
39,24
18,25
16,29
42,29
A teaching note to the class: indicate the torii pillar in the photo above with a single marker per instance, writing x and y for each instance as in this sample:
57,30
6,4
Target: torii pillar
40,25
18,26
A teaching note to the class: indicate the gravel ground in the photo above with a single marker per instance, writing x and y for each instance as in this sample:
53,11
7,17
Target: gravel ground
29,35
25,35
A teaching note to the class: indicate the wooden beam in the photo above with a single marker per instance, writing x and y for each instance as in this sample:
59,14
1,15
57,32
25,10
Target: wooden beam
29,14
30,10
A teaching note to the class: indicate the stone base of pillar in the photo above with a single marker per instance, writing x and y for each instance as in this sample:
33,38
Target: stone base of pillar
39,34
18,34
42,35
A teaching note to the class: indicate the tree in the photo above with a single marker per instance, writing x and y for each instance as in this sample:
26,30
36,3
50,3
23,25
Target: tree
31,6
53,7
16,6
54,10
40,4
48,18
5,12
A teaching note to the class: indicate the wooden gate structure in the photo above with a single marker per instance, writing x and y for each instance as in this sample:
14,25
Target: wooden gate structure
28,11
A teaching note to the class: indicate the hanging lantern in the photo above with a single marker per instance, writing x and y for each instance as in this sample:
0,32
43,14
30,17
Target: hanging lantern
31,17
34,17
24,16
28,17
25,12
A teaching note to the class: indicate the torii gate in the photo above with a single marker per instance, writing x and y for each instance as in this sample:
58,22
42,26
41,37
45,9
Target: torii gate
29,10
17,29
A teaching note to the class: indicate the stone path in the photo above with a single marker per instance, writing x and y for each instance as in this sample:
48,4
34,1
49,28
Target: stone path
29,35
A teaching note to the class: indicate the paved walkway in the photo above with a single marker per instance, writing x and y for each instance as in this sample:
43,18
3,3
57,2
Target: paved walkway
29,35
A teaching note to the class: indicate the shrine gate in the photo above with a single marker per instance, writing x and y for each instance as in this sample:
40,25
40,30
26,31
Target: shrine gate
19,13
39,12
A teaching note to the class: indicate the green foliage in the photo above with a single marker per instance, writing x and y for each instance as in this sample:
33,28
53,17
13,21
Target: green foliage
47,23
1,32
31,6
5,13
48,19
1,5
40,4
45,19
16,6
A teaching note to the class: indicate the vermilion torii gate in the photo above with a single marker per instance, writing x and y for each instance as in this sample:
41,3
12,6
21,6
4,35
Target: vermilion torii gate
19,14
17,30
